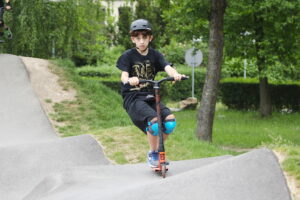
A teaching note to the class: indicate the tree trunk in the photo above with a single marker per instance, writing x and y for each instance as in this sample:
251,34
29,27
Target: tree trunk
265,106
216,41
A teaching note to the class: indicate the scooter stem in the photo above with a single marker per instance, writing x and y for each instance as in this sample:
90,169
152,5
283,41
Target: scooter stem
161,147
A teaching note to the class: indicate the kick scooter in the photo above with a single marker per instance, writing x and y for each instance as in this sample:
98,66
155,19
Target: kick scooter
162,164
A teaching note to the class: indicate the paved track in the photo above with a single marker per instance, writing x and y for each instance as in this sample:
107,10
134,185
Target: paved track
35,164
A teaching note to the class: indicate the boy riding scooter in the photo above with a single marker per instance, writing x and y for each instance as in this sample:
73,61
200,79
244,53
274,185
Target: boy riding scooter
143,63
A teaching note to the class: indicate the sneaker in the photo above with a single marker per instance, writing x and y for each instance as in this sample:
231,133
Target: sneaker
152,158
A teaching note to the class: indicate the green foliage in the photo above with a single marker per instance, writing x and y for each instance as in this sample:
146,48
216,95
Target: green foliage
151,11
111,55
35,26
243,94
90,39
193,24
174,52
102,72
240,95
125,19
234,67
68,29
181,90
259,29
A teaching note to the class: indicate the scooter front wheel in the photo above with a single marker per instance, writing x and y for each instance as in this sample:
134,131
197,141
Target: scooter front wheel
163,170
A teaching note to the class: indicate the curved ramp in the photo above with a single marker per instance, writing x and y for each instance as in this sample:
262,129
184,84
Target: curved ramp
24,166
251,176
22,118
35,164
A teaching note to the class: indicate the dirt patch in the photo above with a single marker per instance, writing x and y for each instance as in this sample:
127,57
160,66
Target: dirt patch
46,85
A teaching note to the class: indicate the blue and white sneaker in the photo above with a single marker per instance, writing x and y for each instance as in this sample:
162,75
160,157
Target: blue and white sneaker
152,158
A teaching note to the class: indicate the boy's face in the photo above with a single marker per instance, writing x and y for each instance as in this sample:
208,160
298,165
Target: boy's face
141,41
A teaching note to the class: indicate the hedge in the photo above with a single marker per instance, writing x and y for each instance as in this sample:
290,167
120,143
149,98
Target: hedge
244,94
235,93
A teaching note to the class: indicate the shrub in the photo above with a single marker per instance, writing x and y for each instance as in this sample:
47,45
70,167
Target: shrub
243,94
100,71
174,52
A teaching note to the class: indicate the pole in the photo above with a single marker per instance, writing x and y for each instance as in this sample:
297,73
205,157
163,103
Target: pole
245,68
193,81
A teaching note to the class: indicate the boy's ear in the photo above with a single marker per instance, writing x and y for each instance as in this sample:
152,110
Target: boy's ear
151,38
132,39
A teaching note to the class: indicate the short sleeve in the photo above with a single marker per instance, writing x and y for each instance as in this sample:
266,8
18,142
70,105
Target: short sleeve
123,62
162,63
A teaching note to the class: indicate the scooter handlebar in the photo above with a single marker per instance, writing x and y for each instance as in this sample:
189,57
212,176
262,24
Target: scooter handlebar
162,80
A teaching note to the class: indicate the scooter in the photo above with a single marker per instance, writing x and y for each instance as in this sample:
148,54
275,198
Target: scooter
162,164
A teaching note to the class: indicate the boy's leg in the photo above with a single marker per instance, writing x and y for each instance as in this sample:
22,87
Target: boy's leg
168,118
154,140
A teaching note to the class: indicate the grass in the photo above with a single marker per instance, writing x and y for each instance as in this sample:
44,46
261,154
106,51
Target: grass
98,110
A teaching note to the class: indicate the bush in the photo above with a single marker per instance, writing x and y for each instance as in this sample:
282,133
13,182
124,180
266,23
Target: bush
103,71
243,94
234,67
111,55
240,94
174,52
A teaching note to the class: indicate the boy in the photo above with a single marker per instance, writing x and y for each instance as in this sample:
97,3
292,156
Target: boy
3,28
143,62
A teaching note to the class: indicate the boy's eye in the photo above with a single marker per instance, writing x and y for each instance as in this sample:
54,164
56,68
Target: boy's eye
142,37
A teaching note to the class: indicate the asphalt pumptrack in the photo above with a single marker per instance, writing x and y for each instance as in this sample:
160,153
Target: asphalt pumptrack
36,164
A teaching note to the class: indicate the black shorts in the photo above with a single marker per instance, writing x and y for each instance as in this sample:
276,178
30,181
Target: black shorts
141,112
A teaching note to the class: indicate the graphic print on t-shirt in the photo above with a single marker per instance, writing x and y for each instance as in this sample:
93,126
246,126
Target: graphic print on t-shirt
143,71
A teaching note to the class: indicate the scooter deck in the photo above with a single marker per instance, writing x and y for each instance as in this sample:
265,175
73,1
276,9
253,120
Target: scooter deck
157,169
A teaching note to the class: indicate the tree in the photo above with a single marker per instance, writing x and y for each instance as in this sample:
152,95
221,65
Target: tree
267,30
74,29
125,19
209,95
151,11
192,25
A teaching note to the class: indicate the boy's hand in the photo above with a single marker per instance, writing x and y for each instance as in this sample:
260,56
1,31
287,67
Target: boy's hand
7,7
177,76
133,81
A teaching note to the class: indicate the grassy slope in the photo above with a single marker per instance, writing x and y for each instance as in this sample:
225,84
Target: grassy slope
98,111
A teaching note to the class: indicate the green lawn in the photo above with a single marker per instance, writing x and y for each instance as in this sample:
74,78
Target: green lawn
247,129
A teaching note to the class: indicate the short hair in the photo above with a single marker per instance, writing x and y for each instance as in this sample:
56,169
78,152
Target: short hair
143,32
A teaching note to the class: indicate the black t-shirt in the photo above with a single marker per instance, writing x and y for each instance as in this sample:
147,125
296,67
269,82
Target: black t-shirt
144,67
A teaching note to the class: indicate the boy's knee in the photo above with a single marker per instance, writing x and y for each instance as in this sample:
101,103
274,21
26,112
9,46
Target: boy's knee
152,128
169,125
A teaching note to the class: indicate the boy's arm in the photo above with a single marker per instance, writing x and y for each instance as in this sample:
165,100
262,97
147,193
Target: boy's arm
173,73
132,80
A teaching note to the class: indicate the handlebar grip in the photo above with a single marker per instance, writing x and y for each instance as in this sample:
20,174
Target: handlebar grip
169,79
185,78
